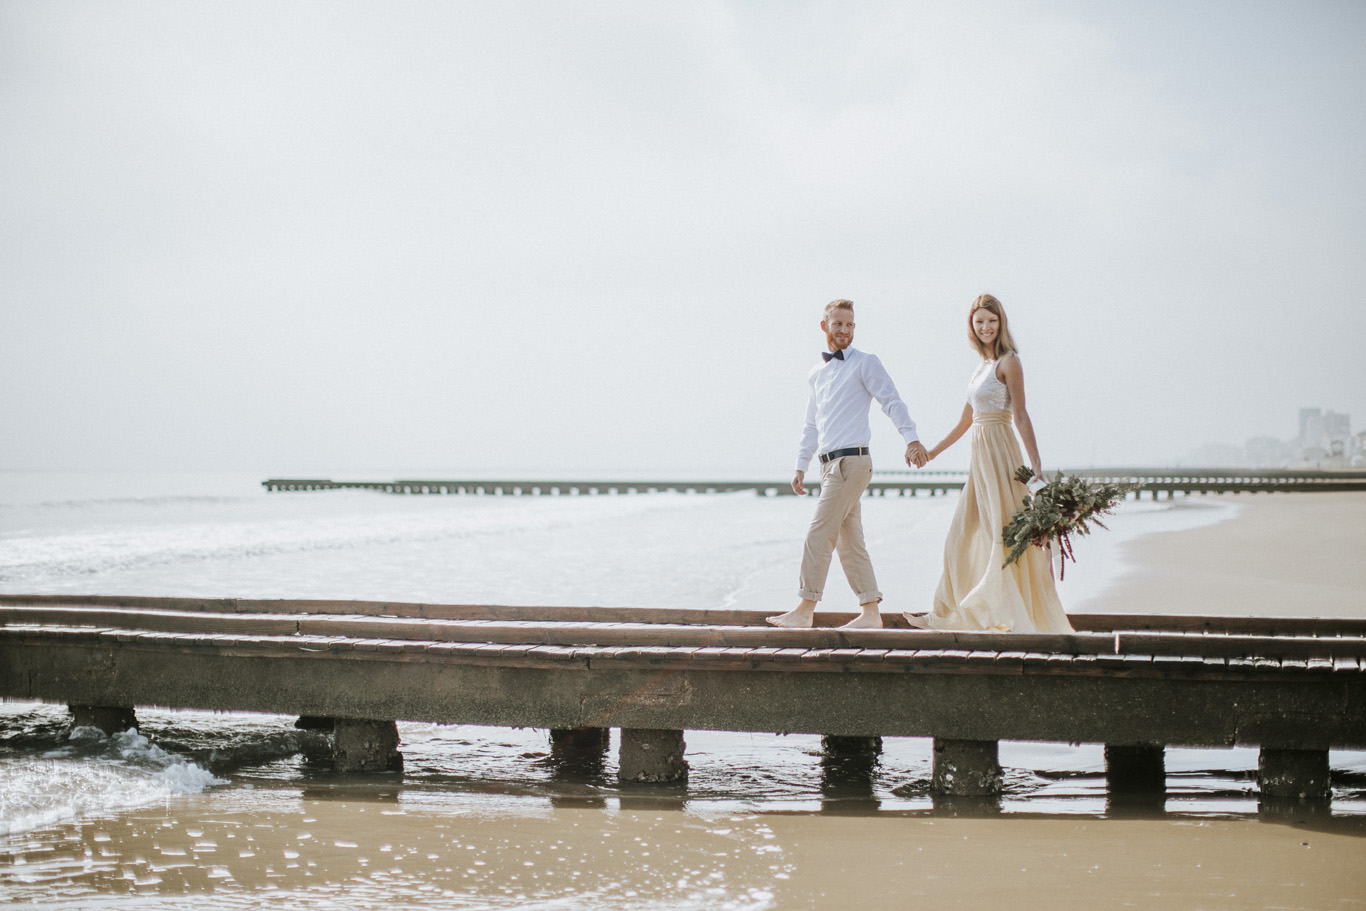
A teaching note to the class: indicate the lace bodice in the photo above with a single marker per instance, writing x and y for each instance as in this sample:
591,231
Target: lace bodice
985,392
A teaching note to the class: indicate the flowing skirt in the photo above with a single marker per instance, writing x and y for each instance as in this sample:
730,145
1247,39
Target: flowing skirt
974,592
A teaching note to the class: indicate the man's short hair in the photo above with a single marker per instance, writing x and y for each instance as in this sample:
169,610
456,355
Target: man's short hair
840,304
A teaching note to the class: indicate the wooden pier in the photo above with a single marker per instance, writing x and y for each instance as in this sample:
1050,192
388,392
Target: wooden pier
1292,687
898,483
933,483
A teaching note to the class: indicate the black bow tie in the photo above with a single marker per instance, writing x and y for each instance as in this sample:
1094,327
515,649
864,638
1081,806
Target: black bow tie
835,355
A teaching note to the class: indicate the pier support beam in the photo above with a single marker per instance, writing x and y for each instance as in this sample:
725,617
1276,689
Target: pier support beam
848,770
966,768
1135,769
108,718
580,741
857,750
652,755
314,723
848,759
579,752
365,746
1299,774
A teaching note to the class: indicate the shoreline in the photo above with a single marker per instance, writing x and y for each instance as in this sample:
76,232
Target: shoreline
370,845
1279,554
329,844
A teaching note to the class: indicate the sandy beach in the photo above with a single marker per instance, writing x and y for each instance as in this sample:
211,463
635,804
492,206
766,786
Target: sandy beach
337,848
329,842
1282,555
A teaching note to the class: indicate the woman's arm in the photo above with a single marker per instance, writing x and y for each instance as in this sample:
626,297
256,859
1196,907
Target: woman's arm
959,429
1009,371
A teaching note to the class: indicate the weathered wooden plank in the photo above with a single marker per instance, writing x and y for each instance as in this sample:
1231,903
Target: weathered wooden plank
966,660
714,651
1247,646
675,635
842,655
816,654
955,661
789,654
1084,623
1233,625
168,620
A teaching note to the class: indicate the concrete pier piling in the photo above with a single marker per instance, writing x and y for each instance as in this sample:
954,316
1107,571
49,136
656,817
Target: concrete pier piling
854,750
580,742
1135,768
652,756
1295,774
966,768
366,746
108,718
579,752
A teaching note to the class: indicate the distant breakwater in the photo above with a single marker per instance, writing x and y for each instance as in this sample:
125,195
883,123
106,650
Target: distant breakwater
1154,481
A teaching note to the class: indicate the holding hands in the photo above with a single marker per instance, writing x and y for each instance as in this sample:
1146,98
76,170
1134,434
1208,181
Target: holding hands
916,455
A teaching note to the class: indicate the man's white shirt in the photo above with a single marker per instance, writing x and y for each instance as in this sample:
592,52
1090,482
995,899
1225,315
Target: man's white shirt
837,411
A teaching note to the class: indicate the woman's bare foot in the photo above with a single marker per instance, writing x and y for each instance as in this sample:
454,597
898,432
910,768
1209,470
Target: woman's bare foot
917,621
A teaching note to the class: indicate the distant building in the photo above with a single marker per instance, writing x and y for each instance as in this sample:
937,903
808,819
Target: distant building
1215,455
1325,441
1311,424
1337,427
1267,452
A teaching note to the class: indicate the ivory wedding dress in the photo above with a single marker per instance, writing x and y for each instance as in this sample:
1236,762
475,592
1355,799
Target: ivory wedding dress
974,592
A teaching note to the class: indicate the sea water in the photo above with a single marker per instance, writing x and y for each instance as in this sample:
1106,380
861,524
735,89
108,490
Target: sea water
65,795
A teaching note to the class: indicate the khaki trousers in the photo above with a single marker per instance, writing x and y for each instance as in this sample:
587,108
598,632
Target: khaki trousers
838,525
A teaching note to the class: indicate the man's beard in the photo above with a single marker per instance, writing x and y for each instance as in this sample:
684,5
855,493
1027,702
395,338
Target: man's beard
834,343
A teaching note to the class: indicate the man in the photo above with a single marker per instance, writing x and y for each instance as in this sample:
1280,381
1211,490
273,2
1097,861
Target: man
843,385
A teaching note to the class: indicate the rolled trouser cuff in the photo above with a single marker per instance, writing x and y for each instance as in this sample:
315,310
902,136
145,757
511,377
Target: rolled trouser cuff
808,596
869,597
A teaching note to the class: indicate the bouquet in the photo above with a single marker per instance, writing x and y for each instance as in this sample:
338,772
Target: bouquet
1057,510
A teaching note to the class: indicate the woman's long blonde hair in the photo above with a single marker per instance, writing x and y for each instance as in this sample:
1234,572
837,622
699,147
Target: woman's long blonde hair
1004,343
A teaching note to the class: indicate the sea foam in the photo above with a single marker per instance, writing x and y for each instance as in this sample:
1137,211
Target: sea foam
93,774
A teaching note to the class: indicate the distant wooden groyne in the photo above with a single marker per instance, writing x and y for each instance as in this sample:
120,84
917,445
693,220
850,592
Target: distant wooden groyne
1292,687
939,483
1156,482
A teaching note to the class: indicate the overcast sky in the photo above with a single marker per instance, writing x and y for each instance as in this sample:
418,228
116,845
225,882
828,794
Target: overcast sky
332,238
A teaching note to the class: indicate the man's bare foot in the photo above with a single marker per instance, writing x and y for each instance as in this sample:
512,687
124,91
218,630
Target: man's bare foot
871,618
793,619
800,617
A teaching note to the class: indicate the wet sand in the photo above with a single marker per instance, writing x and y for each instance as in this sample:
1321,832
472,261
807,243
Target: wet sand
341,849
1028,863
1282,555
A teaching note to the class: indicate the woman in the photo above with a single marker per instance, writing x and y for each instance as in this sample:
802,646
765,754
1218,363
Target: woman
975,592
